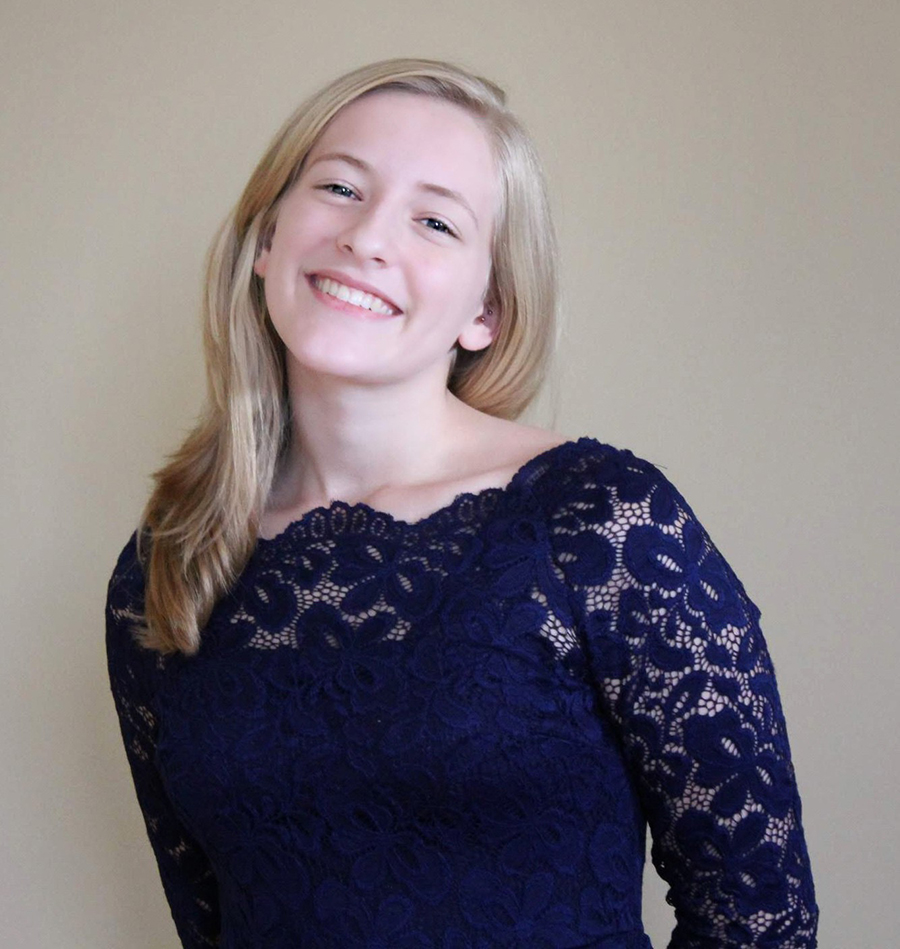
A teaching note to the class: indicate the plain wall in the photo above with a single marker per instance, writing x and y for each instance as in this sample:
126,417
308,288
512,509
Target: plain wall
725,177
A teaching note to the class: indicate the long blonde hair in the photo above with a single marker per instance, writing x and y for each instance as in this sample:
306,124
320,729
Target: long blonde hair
203,515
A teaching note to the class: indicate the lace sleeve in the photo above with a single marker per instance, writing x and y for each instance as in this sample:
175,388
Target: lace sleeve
188,880
682,669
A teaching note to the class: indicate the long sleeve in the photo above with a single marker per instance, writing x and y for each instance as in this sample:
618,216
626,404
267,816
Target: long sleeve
683,672
188,880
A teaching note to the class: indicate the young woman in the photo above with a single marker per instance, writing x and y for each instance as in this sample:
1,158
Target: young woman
393,670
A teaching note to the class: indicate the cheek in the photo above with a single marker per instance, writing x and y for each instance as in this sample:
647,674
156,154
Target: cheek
466,274
301,227
283,288
276,318
473,280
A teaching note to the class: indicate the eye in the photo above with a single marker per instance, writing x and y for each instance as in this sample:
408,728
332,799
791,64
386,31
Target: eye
439,226
342,191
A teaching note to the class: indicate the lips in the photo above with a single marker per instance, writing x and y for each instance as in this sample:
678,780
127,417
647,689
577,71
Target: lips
356,293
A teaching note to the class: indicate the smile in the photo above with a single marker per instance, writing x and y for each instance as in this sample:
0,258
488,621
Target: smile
366,301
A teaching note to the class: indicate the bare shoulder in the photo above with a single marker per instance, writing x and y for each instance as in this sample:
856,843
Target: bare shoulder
496,449
521,443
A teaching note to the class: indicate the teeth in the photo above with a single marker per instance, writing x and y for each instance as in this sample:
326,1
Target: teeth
367,301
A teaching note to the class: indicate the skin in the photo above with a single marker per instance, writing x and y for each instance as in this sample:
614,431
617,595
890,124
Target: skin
397,198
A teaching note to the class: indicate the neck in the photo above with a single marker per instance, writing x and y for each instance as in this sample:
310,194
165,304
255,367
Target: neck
348,442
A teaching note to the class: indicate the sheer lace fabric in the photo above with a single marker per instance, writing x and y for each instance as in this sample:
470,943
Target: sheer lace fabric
450,734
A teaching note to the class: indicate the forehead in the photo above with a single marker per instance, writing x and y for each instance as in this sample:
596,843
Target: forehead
418,137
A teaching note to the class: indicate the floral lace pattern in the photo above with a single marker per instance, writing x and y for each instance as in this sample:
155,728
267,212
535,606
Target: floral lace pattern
452,734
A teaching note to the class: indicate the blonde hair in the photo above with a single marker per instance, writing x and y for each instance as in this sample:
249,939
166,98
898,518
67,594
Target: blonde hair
202,517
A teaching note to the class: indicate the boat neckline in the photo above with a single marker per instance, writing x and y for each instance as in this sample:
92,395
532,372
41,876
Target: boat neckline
325,513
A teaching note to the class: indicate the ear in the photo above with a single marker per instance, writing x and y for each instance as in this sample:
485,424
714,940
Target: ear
480,333
262,255
259,265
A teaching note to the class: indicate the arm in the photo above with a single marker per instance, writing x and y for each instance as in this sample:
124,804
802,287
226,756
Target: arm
188,879
675,647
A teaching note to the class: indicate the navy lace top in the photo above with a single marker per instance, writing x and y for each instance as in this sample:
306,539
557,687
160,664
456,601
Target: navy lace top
451,734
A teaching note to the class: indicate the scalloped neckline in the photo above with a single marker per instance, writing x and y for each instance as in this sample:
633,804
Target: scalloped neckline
445,511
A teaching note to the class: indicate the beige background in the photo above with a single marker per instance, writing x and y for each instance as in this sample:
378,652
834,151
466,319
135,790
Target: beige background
726,181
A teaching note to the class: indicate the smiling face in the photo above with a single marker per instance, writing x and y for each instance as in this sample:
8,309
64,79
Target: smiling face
381,254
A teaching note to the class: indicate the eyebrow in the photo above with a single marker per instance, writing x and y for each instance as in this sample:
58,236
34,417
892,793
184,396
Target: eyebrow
439,190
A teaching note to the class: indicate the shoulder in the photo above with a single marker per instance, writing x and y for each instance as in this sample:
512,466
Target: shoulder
606,506
488,451
495,451
124,599
587,474
613,514
127,581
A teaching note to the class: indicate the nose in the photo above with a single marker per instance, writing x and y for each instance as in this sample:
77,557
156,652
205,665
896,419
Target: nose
368,234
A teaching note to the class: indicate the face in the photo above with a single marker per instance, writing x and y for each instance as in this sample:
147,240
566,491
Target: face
381,254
